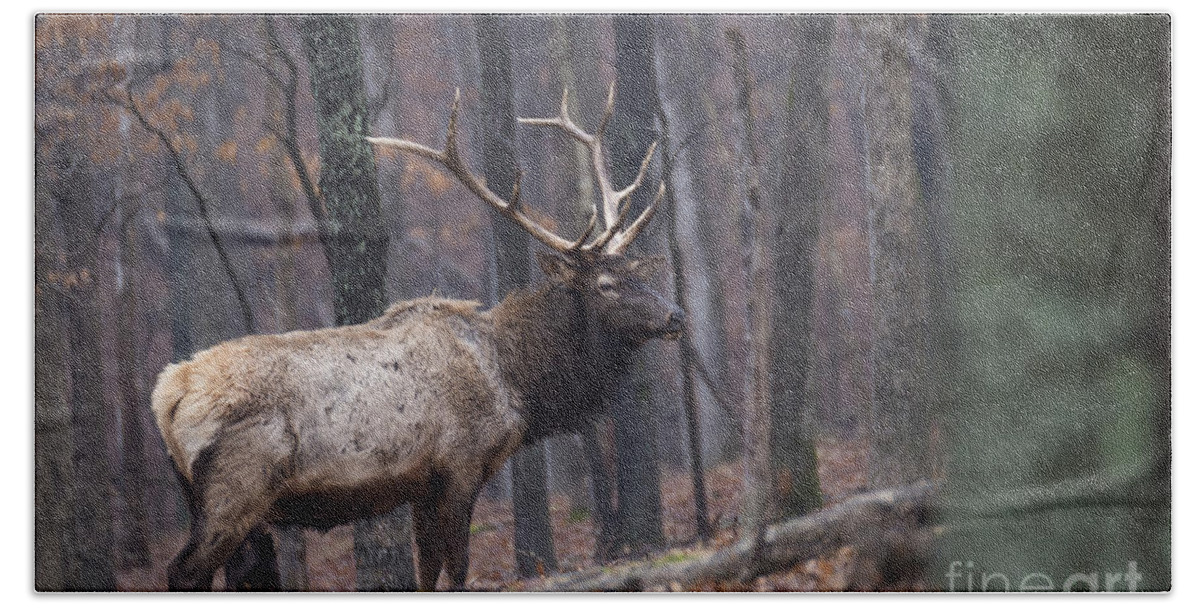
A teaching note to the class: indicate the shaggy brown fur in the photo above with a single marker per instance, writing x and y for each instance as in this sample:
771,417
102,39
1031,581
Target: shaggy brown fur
422,404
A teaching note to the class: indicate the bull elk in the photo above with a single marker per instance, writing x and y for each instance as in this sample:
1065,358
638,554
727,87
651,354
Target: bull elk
421,405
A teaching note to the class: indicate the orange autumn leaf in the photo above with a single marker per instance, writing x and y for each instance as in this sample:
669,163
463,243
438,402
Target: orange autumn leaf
227,151
431,177
265,144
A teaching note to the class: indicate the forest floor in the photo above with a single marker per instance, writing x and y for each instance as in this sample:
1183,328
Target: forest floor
842,470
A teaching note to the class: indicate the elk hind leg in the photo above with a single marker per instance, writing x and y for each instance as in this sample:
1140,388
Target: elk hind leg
227,503
215,535
208,547
177,579
184,573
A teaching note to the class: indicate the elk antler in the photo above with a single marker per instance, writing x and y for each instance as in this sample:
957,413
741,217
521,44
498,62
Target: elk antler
614,203
450,158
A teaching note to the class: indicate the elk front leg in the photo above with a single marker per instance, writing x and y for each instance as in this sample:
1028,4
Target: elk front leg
454,519
430,544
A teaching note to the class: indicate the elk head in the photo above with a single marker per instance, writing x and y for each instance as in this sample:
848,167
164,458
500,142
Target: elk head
615,291
614,287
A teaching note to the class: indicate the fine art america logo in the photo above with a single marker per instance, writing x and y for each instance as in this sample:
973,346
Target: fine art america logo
962,576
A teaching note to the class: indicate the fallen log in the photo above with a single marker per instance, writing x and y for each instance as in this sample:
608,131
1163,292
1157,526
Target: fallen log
857,520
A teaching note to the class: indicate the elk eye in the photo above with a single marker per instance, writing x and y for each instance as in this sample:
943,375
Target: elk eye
608,285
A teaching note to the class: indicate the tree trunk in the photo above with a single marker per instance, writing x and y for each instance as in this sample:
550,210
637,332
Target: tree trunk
93,517
54,480
533,540
701,139
689,360
801,194
688,357
932,115
291,551
216,316
291,557
93,479
356,246
135,408
567,472
897,226
568,461
160,40
179,245
639,502
757,498
357,241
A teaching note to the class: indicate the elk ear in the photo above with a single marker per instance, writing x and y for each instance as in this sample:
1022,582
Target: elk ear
557,268
646,268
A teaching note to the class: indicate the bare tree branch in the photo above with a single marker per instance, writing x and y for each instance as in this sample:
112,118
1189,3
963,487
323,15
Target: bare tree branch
290,137
130,104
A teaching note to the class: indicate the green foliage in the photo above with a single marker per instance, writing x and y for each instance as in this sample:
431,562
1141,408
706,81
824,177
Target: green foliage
1058,183
672,557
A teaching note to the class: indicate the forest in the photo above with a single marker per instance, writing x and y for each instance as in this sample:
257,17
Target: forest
924,262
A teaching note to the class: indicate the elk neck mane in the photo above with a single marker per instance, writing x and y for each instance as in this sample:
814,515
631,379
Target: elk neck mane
559,361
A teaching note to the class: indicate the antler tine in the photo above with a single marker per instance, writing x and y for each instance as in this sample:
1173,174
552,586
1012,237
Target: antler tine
445,156
609,233
637,181
562,108
612,230
515,201
450,158
622,200
408,146
586,231
614,204
562,121
610,198
622,240
452,129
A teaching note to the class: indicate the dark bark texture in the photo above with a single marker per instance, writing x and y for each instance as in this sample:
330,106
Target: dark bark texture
639,501
533,541
802,192
352,221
